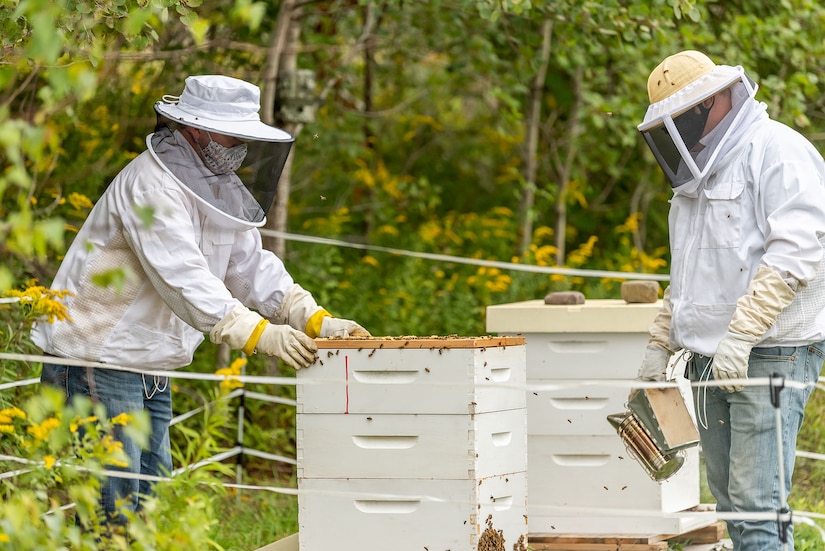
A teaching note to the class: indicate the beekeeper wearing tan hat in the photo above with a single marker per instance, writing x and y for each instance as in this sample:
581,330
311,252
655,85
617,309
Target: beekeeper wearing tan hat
747,289
180,223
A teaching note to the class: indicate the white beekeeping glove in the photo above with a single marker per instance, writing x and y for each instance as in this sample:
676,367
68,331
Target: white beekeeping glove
243,329
337,327
658,351
300,311
756,311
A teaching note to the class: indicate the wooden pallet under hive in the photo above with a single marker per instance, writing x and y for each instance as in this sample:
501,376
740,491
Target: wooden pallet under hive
571,542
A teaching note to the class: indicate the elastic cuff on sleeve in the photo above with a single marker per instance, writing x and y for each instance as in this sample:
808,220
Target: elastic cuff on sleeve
252,342
313,328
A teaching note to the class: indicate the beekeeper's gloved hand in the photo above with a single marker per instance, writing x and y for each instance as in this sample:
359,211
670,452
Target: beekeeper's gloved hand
654,365
300,310
337,327
658,351
293,347
243,329
756,312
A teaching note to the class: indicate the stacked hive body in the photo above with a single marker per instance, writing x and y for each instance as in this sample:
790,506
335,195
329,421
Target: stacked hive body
413,444
581,360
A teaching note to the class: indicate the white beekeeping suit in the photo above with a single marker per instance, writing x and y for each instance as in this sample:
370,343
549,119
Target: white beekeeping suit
743,237
746,301
187,241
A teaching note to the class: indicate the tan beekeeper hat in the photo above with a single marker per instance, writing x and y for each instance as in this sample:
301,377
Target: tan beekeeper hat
676,72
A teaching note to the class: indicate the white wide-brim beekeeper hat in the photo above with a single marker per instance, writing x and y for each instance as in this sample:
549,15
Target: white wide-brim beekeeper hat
221,104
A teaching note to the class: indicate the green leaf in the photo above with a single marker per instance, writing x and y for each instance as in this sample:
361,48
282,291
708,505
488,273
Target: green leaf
146,215
112,278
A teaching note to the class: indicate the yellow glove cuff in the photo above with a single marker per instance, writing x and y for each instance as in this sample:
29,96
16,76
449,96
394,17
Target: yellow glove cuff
313,328
252,342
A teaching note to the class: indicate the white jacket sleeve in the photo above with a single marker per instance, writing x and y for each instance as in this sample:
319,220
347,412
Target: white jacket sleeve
658,351
299,310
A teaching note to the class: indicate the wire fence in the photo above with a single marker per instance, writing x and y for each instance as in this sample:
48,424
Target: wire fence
241,395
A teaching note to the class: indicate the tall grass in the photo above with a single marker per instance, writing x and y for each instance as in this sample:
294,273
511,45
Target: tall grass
250,520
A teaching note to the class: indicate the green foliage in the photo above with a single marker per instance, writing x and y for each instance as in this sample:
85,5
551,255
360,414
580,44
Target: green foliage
62,450
66,448
418,144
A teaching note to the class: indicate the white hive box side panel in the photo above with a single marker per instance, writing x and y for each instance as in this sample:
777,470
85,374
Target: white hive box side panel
412,515
412,446
565,407
410,375
598,472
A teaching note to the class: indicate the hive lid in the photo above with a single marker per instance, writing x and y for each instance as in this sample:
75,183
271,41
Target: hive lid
594,316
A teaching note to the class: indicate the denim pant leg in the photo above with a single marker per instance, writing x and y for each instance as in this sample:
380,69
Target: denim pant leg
157,460
739,439
123,392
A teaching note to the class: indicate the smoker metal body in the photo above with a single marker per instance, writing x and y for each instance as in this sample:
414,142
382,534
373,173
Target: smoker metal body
656,428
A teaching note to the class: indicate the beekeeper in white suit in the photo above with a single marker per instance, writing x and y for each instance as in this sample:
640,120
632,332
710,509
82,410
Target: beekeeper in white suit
181,221
747,290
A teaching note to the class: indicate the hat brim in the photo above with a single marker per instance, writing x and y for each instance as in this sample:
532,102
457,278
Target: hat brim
245,130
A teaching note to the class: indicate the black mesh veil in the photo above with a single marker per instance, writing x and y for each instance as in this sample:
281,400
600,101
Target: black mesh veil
246,194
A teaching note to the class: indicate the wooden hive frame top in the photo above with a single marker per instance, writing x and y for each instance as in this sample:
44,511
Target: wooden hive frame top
414,342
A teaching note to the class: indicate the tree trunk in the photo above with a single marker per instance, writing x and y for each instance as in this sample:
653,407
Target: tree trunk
528,194
566,168
281,57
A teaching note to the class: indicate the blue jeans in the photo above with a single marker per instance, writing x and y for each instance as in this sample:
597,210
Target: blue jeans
123,392
740,441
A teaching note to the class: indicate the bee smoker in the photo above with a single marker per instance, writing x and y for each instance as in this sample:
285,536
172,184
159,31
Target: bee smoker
656,430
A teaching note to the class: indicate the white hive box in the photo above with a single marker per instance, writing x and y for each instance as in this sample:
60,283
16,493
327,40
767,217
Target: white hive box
410,514
414,375
412,443
581,360
405,446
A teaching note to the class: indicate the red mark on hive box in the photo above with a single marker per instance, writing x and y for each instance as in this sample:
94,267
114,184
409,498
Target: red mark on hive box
346,387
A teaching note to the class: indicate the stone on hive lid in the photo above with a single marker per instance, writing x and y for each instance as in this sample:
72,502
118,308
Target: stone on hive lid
564,297
640,291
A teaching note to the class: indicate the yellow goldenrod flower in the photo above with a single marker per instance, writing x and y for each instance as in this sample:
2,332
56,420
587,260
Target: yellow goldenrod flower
42,302
122,419
49,461
8,429
44,429
111,445
4,538
13,412
231,372
76,422
80,201
388,230
631,223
